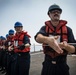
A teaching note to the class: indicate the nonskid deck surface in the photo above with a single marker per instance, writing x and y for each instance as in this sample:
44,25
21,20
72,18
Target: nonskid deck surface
37,59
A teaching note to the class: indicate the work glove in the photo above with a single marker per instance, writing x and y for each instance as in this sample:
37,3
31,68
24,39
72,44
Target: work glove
21,47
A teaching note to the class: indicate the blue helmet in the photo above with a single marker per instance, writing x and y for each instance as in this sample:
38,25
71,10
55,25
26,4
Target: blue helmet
3,38
7,35
18,24
11,32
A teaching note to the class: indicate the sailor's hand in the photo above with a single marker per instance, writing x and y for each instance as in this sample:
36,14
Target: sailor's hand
3,47
10,48
63,44
27,45
52,42
21,47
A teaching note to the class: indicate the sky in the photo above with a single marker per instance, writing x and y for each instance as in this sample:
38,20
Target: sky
33,13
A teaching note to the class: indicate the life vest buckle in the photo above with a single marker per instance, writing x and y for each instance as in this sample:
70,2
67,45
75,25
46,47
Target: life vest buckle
53,62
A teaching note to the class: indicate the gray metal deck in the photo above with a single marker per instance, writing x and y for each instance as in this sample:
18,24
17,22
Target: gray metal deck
37,59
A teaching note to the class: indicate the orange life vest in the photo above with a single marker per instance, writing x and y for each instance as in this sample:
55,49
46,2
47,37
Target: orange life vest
1,44
61,30
19,38
10,40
